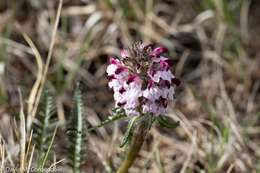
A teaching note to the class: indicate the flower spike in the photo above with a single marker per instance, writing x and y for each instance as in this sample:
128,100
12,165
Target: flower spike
141,80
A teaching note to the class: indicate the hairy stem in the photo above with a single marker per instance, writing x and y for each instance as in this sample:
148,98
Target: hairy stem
134,148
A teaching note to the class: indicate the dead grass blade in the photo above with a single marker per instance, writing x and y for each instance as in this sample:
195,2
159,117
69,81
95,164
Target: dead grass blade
30,160
45,71
37,83
29,145
22,134
2,155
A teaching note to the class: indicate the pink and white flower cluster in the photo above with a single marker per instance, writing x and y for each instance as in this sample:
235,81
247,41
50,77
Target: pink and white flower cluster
141,80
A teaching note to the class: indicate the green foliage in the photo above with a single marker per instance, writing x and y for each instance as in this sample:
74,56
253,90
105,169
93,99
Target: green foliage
44,126
117,113
129,132
77,134
167,122
148,120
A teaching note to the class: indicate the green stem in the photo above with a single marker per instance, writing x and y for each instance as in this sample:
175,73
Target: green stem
135,146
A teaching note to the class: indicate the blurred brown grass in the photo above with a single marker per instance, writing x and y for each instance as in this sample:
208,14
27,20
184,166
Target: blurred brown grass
215,47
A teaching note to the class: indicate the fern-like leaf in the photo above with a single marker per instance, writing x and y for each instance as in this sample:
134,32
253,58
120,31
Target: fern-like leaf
43,126
77,133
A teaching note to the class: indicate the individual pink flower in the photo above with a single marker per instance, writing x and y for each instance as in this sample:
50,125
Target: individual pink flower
141,80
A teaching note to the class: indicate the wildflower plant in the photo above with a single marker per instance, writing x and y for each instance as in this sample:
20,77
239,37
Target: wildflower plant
143,85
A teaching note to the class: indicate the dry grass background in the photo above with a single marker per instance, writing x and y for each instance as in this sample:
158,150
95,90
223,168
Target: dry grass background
215,46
